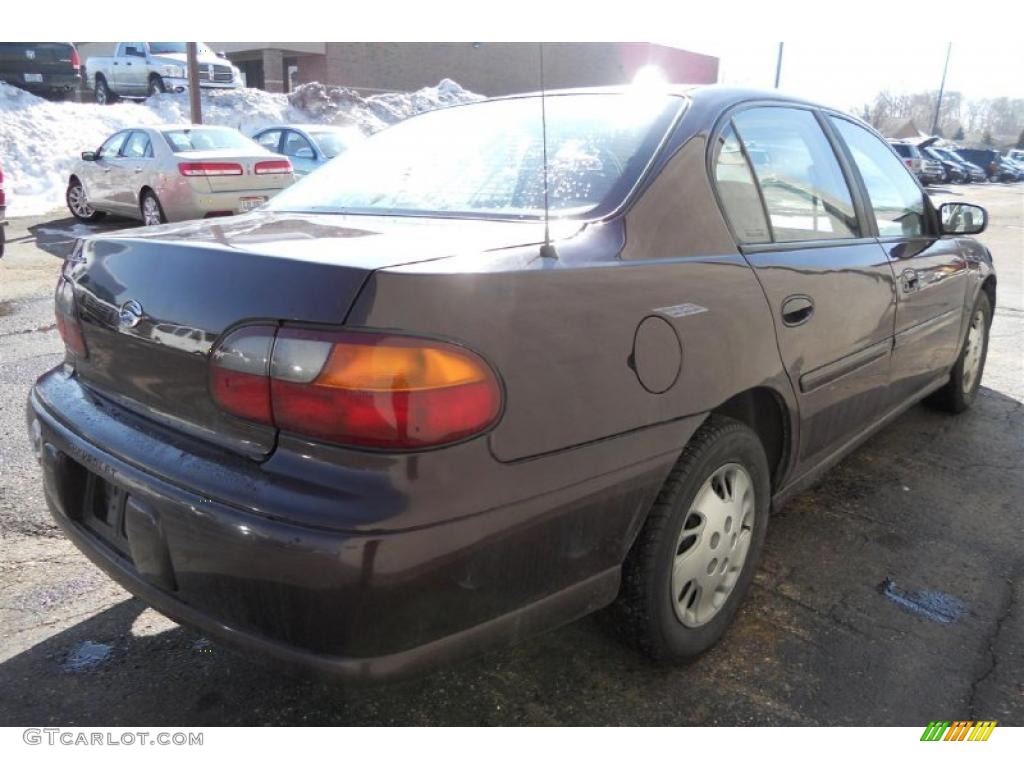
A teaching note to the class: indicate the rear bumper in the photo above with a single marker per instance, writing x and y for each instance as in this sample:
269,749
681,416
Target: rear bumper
357,604
182,203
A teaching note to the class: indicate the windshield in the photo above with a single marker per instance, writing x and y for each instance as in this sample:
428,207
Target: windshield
158,48
203,139
486,159
333,143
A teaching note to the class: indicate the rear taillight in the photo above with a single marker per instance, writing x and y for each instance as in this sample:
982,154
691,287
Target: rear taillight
210,169
272,166
355,388
67,318
76,60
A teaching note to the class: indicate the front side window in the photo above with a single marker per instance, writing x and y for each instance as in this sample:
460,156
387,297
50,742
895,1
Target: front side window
270,140
485,160
737,190
896,199
800,178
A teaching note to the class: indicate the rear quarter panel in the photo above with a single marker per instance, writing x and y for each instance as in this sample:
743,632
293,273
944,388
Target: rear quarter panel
560,332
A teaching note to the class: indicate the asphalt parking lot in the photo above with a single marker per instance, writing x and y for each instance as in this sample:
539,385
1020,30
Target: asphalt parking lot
890,594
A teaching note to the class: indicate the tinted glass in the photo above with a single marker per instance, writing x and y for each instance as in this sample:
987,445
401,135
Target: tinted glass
137,145
803,186
333,143
485,159
112,145
896,199
738,191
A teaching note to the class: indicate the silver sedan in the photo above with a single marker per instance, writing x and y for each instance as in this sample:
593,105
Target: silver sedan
175,173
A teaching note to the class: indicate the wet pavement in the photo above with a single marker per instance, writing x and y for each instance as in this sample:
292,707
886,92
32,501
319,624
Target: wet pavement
892,593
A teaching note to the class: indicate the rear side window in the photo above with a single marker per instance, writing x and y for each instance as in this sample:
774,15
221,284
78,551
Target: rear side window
896,199
270,140
138,145
737,190
802,184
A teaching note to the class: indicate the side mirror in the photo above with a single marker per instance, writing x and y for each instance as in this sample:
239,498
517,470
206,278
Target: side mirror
962,219
89,156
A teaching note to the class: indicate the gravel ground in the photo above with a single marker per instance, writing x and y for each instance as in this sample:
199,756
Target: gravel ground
891,593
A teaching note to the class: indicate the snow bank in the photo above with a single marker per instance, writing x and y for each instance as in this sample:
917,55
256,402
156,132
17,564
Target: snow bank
40,141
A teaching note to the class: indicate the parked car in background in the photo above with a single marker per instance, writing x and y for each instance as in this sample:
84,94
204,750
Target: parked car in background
3,213
138,70
1016,155
46,69
173,173
990,161
976,172
929,171
952,171
308,146
398,424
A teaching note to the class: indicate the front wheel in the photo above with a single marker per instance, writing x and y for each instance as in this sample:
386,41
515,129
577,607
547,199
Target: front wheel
78,203
156,85
693,560
964,380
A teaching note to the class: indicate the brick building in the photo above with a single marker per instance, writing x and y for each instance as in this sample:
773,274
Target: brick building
492,69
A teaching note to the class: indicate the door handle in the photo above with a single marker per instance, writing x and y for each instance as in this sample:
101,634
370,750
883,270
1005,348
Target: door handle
911,280
797,310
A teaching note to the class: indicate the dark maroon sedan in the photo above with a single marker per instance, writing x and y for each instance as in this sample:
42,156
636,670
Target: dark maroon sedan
375,425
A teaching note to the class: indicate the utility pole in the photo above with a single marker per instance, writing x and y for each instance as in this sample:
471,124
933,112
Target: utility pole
942,88
195,102
778,66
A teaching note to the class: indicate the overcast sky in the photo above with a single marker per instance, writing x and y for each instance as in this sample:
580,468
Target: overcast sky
846,75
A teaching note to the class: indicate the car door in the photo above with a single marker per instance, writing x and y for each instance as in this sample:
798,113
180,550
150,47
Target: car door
135,170
931,272
134,80
300,151
790,203
100,174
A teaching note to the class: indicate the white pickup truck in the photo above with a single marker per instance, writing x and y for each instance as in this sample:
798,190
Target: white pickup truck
139,70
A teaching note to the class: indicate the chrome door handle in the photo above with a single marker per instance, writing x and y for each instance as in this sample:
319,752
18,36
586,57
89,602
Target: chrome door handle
797,310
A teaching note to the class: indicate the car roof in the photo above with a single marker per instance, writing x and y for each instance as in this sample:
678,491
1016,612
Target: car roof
307,127
695,91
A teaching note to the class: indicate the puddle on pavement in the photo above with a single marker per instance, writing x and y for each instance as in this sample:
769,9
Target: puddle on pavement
929,604
88,655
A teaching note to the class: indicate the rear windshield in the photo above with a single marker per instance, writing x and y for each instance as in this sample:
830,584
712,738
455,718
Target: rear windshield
486,159
204,139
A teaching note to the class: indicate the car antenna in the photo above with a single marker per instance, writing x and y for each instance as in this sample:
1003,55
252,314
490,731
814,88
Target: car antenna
547,251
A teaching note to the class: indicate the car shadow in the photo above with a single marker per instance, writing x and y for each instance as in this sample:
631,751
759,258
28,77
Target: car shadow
57,237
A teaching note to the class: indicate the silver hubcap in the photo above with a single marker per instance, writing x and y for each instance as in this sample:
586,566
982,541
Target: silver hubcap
713,545
79,205
972,354
150,211
101,95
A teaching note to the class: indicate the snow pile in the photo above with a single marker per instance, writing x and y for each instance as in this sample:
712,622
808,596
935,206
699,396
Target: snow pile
40,141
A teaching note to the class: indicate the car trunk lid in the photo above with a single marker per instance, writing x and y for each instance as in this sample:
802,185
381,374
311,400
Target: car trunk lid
247,180
153,303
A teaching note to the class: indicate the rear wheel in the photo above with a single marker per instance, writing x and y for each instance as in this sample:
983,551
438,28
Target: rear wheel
78,203
103,93
695,557
152,211
964,380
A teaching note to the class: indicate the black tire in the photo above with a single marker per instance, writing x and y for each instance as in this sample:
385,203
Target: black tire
156,85
149,194
102,93
80,214
954,397
643,613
